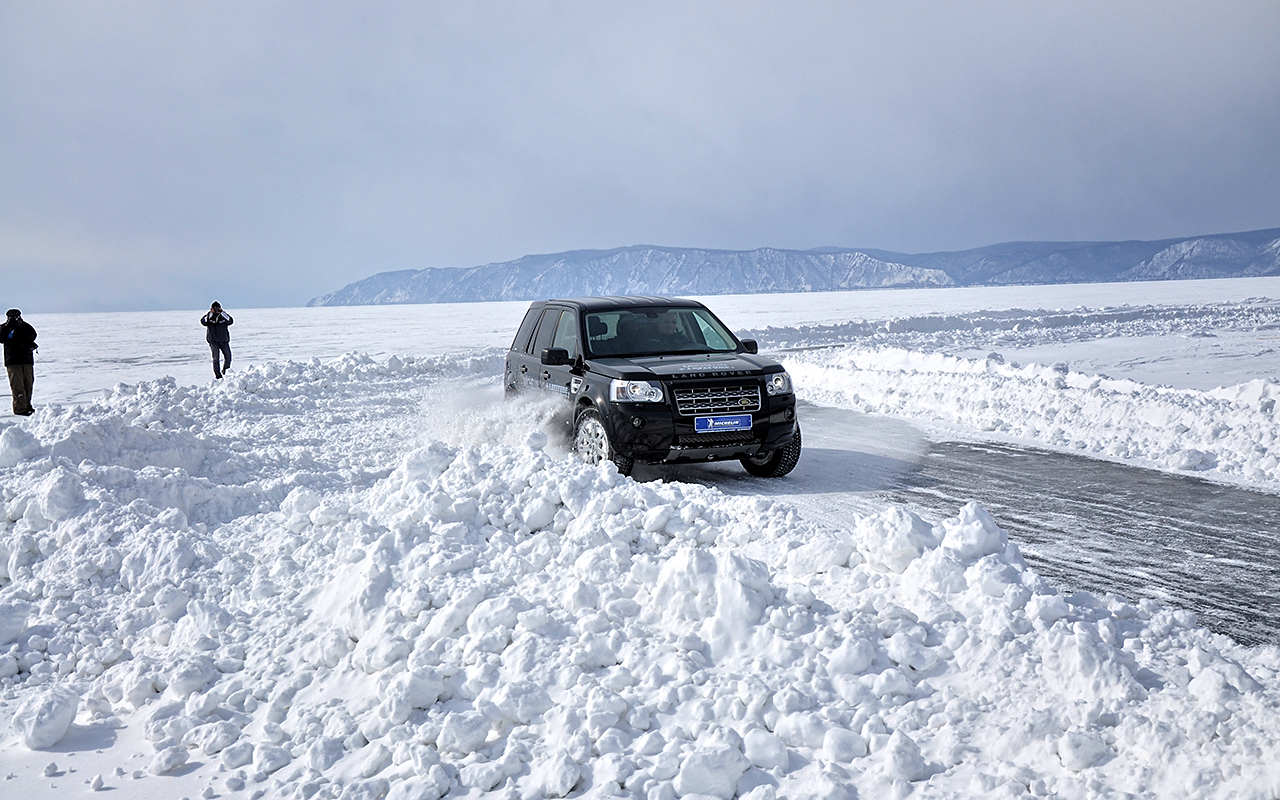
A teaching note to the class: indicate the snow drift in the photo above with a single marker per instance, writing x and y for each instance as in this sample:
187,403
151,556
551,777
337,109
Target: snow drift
323,580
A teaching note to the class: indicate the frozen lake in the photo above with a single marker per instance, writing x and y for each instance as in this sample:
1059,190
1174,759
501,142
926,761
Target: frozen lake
342,565
81,354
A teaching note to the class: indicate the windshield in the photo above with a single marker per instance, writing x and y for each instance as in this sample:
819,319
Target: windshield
656,331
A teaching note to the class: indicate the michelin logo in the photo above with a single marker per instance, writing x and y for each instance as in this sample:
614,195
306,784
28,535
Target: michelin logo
737,422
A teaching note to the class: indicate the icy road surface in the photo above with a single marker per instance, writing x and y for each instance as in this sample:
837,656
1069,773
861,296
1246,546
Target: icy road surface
1104,527
1085,524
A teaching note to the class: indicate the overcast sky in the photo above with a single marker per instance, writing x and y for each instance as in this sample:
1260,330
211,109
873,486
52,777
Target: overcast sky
164,154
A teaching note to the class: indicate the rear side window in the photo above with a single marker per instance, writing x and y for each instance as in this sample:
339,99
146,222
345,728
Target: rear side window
546,330
521,342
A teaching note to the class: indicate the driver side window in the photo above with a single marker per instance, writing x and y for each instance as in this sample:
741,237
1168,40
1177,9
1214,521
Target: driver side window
546,331
567,334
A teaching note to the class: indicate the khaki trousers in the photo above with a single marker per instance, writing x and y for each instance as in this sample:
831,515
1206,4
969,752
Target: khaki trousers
21,379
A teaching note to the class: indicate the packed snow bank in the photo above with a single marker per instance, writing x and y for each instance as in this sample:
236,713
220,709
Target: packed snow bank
310,598
1229,433
962,370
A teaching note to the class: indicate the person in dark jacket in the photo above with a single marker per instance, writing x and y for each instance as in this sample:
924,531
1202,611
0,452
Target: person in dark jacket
19,359
216,334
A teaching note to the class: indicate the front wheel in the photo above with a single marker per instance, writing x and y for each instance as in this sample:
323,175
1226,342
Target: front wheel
777,463
591,442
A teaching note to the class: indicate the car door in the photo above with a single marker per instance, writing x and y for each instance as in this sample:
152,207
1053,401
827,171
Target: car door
523,365
517,362
537,374
559,379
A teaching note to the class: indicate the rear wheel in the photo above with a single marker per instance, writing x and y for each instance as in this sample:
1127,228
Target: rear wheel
777,463
591,442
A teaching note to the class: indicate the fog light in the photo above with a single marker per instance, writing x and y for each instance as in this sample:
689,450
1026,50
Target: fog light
790,414
637,422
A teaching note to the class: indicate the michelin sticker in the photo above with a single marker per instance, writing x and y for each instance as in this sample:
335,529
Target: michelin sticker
734,422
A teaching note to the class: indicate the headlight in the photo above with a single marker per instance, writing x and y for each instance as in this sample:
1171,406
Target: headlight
777,383
635,391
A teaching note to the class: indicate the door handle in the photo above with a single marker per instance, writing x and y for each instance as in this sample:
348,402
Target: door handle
524,368
546,375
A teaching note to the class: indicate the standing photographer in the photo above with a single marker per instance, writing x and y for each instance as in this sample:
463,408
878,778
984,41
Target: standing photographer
19,359
216,323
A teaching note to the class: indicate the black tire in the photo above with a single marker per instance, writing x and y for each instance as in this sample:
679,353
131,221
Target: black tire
777,463
591,442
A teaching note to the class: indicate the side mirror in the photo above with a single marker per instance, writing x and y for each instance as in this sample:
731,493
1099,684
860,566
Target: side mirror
555,356
751,346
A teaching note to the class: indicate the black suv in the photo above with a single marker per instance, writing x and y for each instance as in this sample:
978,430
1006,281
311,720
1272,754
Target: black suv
657,379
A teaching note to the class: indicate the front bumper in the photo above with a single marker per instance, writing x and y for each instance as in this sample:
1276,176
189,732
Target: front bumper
655,432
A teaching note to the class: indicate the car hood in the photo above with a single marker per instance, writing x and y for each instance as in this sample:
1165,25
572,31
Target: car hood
708,365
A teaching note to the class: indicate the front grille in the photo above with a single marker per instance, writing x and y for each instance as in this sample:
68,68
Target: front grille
720,439
717,400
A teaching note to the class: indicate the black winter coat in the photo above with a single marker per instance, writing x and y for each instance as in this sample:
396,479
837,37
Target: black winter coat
216,323
19,342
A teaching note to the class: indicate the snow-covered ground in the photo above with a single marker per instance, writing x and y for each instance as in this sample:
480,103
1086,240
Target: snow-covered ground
350,569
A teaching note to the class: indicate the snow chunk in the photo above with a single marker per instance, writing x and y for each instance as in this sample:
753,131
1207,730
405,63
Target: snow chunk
58,496
765,750
427,463
171,602
415,688
463,732
1192,459
494,613
1080,751
13,620
268,758
1047,608
168,759
375,653
539,514
711,771
852,657
800,729
300,500
894,538
536,440
1220,681
656,518
843,746
903,759
820,555
1088,669
212,738
237,755
191,675
522,701
556,776
44,718
431,786
973,533
16,446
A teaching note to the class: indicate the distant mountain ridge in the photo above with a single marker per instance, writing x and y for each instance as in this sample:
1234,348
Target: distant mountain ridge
647,269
